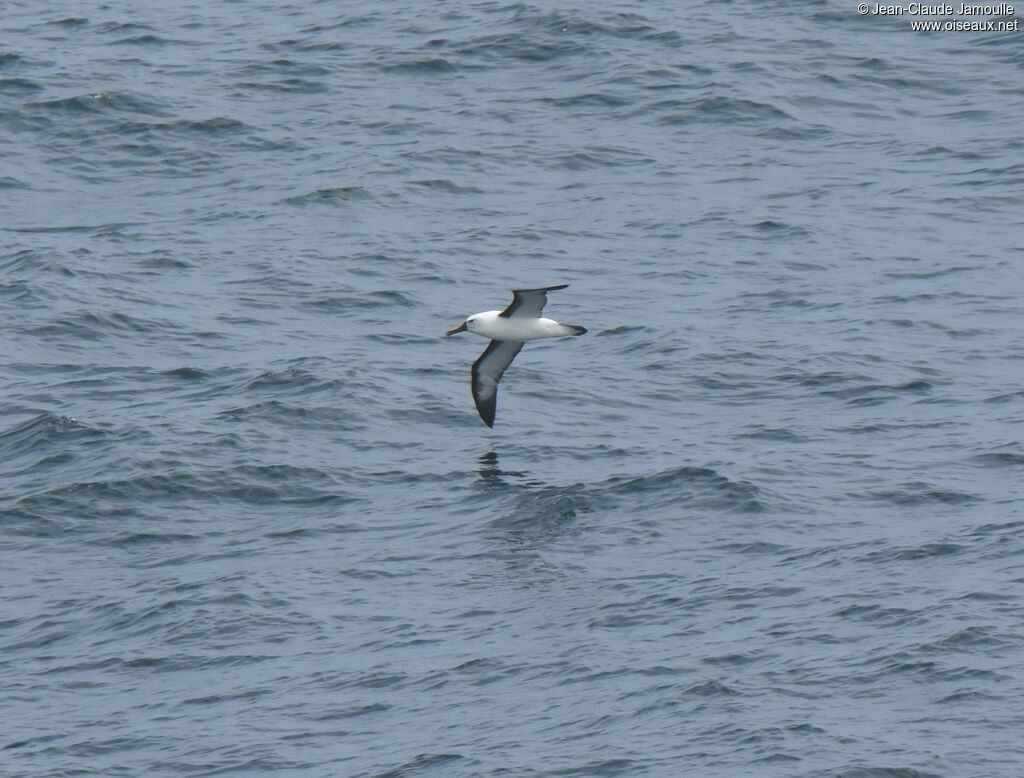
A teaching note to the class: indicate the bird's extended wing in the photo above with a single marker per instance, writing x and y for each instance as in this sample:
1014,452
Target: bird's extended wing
487,371
528,303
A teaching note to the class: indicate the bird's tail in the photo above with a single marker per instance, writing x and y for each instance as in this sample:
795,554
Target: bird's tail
577,329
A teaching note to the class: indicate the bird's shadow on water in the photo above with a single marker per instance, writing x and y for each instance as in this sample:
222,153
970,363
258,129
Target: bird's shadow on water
494,479
533,509
538,510
526,525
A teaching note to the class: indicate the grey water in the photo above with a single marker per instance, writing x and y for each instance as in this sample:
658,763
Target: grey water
765,519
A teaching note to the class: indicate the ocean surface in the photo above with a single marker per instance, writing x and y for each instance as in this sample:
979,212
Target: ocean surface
765,519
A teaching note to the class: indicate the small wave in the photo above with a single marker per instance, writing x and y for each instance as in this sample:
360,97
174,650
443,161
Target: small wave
293,379
820,379
966,696
868,771
18,85
756,548
549,507
187,373
425,764
331,196
920,493
771,229
624,329
874,393
774,433
101,102
17,291
1005,397
217,125
876,614
723,109
122,27
157,260
709,689
926,551
686,488
925,274
6,182
695,486
518,46
145,39
444,185
383,298
247,484
301,85
600,157
284,66
43,432
600,100
1001,458
96,229
71,21
96,326
575,26
804,132
451,157
130,539
428,66
291,44
915,386
297,417
970,638
1011,175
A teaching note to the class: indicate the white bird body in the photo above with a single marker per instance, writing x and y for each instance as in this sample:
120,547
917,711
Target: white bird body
508,330
491,324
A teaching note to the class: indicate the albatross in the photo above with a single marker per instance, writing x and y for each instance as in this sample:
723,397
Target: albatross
508,330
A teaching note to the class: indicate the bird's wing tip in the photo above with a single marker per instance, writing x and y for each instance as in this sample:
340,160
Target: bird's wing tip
543,288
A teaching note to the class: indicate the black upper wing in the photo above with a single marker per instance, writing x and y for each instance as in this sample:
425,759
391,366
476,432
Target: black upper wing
528,303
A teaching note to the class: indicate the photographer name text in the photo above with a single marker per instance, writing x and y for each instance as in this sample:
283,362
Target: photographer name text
941,9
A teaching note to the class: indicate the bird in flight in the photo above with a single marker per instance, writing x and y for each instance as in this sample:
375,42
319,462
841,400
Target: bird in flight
508,330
